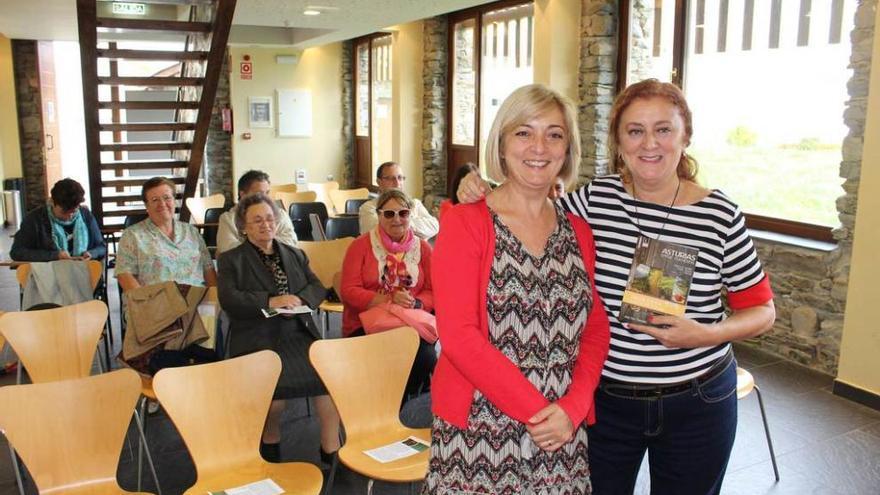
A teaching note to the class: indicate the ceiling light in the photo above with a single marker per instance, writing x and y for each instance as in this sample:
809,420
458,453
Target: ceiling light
311,12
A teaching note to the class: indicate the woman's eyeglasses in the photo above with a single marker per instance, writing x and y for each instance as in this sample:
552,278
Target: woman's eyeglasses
389,214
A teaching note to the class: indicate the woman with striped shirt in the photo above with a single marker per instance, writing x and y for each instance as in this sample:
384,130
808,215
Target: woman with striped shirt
668,388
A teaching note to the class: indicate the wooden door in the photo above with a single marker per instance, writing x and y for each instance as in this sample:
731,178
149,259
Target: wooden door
49,110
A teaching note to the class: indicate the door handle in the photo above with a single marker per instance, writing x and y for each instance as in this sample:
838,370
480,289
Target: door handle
50,142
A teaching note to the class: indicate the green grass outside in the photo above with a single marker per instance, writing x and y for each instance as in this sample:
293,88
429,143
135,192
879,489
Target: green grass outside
793,184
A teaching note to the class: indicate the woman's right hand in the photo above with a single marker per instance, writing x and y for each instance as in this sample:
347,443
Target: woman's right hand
472,188
379,299
403,299
284,301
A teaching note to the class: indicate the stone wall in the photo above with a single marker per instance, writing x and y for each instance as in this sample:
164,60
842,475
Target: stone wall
811,285
641,39
218,147
26,72
434,125
596,79
348,168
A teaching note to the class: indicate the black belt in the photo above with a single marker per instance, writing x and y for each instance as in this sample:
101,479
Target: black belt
618,387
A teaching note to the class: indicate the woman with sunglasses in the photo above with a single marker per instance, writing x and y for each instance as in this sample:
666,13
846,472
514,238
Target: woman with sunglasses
389,264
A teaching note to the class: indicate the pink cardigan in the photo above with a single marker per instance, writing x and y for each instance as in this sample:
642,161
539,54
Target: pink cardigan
463,257
360,281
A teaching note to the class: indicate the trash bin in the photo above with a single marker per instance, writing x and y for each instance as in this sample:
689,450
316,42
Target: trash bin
13,201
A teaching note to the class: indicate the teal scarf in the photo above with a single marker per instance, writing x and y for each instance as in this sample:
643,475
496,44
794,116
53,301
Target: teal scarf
80,232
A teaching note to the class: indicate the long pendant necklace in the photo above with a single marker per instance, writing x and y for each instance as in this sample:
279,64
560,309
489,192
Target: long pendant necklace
665,219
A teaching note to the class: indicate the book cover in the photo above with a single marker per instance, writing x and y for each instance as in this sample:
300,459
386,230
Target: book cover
659,280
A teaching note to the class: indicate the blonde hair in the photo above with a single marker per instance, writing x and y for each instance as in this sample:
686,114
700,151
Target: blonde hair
522,105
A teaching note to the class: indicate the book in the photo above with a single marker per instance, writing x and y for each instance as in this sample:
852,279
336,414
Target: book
659,280
262,487
270,312
398,450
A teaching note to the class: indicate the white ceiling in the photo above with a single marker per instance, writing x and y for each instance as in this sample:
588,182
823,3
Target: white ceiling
275,22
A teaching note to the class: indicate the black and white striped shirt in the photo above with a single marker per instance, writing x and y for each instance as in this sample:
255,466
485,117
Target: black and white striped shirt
727,259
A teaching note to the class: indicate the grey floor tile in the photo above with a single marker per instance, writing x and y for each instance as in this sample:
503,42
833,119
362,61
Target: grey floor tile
752,357
786,378
850,463
818,415
873,429
759,480
750,447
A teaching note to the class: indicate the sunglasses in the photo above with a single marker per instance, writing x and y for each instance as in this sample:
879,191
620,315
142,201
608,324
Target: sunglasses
389,214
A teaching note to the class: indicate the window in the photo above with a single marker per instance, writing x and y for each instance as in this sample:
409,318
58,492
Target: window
767,84
490,55
372,105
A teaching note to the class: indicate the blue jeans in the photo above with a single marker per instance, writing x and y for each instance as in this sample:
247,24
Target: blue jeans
688,436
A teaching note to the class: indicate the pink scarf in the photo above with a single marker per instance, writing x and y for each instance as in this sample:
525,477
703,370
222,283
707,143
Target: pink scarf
397,247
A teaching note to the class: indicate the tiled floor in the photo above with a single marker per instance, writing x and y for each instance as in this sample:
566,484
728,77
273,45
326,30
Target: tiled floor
824,444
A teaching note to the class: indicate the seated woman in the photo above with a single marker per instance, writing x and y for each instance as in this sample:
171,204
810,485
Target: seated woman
405,277
60,230
161,248
263,273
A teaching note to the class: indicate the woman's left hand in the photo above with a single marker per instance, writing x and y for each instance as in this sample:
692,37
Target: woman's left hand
550,428
678,332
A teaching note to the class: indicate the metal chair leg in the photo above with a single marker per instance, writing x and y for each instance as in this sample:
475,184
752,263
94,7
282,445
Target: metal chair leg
370,487
139,415
328,487
767,432
16,468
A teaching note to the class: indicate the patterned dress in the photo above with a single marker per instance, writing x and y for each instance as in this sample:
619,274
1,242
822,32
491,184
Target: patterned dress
537,309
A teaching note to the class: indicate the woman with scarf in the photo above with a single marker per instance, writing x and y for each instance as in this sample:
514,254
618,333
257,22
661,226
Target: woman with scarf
59,230
389,264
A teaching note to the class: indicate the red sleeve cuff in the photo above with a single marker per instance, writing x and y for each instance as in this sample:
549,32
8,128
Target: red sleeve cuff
755,295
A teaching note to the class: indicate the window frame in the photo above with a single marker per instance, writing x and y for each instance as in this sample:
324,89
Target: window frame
475,14
679,67
359,176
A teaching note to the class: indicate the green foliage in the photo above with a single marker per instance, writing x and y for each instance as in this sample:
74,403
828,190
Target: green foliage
742,137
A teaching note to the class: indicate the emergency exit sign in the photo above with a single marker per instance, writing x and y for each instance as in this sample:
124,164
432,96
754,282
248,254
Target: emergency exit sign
128,8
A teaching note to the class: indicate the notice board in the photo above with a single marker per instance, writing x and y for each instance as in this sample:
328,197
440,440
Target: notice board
294,112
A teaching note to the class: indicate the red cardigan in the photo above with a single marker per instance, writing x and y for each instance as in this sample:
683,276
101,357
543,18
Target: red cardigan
463,257
360,281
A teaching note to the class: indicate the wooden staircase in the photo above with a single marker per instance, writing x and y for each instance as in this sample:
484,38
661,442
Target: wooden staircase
116,133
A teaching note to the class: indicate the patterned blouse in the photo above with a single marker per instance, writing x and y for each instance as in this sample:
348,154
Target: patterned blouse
146,253
276,269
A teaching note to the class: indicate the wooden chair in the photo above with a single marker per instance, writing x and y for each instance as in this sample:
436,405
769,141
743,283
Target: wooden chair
288,198
198,206
70,433
289,188
340,196
745,383
322,189
219,410
345,226
96,273
366,377
325,260
300,214
353,206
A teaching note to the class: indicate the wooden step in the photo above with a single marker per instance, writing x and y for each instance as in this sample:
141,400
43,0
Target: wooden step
117,198
128,181
149,105
150,55
152,25
151,81
144,164
146,146
169,2
149,126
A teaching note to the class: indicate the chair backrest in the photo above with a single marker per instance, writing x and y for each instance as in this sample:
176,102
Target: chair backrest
209,232
353,206
133,219
338,227
198,206
340,196
96,271
70,433
325,257
322,189
284,188
219,408
366,376
56,344
288,198
299,216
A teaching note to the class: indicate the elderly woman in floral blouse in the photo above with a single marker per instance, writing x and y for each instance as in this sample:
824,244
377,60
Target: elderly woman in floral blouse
161,248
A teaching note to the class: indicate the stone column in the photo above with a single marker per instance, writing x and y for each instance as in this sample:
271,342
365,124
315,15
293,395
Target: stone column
598,59
26,71
348,169
218,147
434,125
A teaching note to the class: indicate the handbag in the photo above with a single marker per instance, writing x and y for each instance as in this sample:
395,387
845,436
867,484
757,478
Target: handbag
386,316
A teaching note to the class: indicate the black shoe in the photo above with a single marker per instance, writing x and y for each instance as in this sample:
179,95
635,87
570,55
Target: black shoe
326,458
271,452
